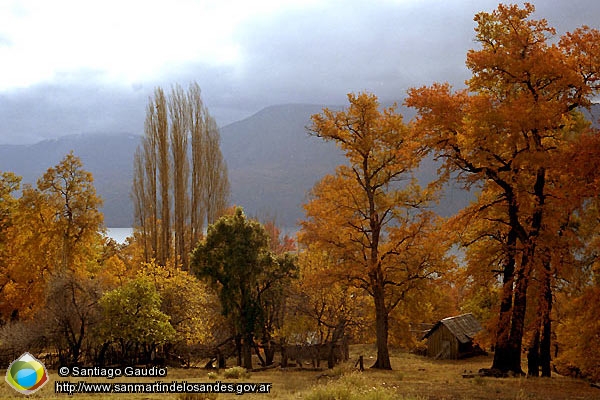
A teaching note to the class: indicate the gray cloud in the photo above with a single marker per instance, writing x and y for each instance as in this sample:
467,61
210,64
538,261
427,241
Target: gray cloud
316,55
45,111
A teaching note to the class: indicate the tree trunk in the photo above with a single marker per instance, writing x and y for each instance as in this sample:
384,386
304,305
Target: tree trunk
524,273
381,327
261,360
247,351
518,317
221,362
101,356
269,351
238,349
546,340
78,343
533,353
501,348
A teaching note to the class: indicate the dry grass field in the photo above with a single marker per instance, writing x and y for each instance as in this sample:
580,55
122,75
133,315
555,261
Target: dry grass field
413,377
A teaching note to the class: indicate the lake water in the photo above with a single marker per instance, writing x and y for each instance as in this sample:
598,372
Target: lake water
119,234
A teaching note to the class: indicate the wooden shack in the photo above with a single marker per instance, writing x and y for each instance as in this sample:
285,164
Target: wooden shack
452,337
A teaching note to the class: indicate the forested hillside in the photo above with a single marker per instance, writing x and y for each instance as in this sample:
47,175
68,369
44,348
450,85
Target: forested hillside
272,160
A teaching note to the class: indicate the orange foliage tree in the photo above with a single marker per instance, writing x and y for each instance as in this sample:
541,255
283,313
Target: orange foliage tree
77,222
368,214
505,133
11,282
323,308
578,297
52,229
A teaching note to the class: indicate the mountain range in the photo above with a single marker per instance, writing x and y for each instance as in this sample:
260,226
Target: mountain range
109,157
272,160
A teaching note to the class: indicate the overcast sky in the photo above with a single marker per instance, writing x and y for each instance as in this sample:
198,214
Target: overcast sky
69,67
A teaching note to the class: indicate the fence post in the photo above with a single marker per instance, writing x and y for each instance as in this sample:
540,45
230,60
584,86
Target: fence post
360,363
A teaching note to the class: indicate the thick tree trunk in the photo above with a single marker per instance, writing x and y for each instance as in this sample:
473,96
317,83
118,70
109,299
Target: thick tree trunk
533,353
541,358
524,273
509,353
518,317
331,355
546,340
238,349
247,351
269,350
501,348
381,327
545,349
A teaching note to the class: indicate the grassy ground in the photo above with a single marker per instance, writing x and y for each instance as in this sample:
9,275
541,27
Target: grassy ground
413,378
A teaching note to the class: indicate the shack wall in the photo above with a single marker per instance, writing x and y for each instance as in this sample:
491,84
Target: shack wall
441,343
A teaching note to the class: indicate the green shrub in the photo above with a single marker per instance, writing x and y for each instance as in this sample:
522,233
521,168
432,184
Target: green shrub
353,386
213,375
236,373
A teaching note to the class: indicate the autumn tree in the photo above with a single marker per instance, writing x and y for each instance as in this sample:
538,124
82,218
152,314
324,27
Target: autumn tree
50,240
9,285
274,303
52,228
578,326
235,257
367,214
9,184
152,179
179,115
577,287
71,314
176,193
31,241
321,307
189,303
502,133
132,319
77,222
578,335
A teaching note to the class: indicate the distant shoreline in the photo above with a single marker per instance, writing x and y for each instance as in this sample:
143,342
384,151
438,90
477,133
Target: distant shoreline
119,235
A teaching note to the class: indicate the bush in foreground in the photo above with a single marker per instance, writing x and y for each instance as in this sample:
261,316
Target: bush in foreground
355,386
236,373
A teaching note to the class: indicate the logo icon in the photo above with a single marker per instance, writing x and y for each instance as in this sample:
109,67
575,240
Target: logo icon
26,374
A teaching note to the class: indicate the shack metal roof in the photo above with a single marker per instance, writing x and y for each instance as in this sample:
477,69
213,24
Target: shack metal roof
463,327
